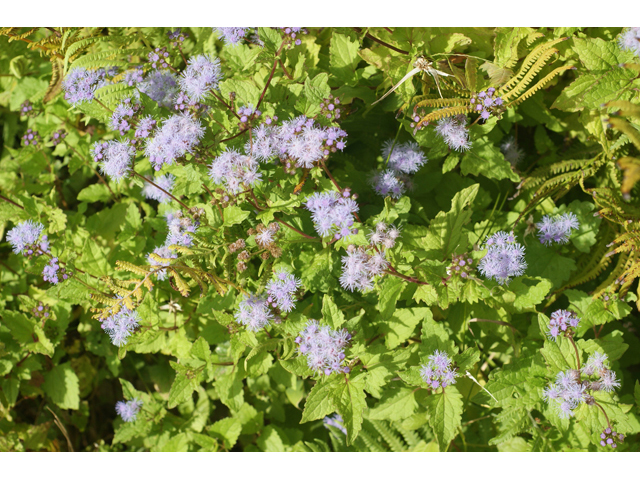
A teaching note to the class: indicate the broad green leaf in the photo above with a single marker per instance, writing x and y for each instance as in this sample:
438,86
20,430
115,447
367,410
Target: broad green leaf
349,398
62,386
445,413
331,314
395,405
228,430
343,57
320,402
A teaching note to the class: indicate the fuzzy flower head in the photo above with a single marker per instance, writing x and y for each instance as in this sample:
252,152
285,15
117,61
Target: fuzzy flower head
25,238
200,77
335,421
504,259
161,87
121,325
80,85
178,136
163,256
265,143
566,393
282,289
404,157
123,116
163,181
116,157
145,127
597,366
324,348
128,410
180,229
609,438
454,132
333,213
53,272
512,153
254,312
562,322
234,170
486,103
557,229
390,183
439,372
133,77
232,35
304,143
630,40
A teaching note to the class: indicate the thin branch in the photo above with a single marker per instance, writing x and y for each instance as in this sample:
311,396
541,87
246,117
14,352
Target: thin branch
395,273
11,202
273,70
377,40
163,190
284,69
576,349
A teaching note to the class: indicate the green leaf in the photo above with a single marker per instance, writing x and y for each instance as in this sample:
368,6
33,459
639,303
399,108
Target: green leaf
234,215
545,262
331,314
402,324
390,291
445,414
343,57
435,337
228,430
319,402
62,386
315,90
349,399
395,405
485,158
98,192
186,381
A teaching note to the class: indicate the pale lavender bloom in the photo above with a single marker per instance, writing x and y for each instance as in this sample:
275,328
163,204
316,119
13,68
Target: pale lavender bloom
247,111
293,33
389,182
485,103
359,268
162,252
511,152
123,115
177,137
405,157
145,126
128,410
201,75
282,289
121,325
234,170
561,322
595,363
265,143
332,213
180,229
133,77
118,156
50,271
335,421
163,181
160,86
80,85
630,40
454,132
438,371
504,258
566,393
24,238
557,229
254,312
232,35
609,381
306,143
324,348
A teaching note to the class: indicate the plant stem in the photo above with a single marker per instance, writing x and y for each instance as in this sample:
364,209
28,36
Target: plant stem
273,69
576,349
395,273
281,222
605,414
11,202
163,190
377,40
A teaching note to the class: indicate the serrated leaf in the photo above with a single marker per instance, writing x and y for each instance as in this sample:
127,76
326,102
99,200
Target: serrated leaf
331,314
319,402
62,386
395,405
445,414
349,398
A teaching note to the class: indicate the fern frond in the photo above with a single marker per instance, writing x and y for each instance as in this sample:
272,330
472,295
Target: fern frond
181,285
369,439
22,36
529,76
130,267
626,109
540,85
622,266
444,113
471,73
410,437
626,128
181,249
394,442
103,299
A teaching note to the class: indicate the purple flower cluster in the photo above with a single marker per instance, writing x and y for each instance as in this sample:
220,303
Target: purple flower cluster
246,114
557,229
562,322
630,40
461,265
608,438
158,58
454,132
128,410
123,116
180,229
153,193
292,34
329,108
254,312
183,102
116,157
80,85
161,87
177,137
511,152
332,213
281,291
53,272
504,258
58,136
438,371
31,137
486,104
404,159
26,108
25,238
566,393
133,77
335,421
177,36
165,255
121,325
234,170
324,347
41,311
306,143
597,366
232,35
145,127
201,76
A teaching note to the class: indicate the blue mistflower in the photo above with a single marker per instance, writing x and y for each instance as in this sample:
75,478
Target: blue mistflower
234,170
53,272
254,312
332,213
163,181
282,289
201,76
121,325
438,371
630,40
178,136
232,35
324,347
562,322
504,258
566,393
557,229
161,87
133,77
404,157
180,229
116,157
25,238
128,410
122,116
145,126
454,132
80,85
